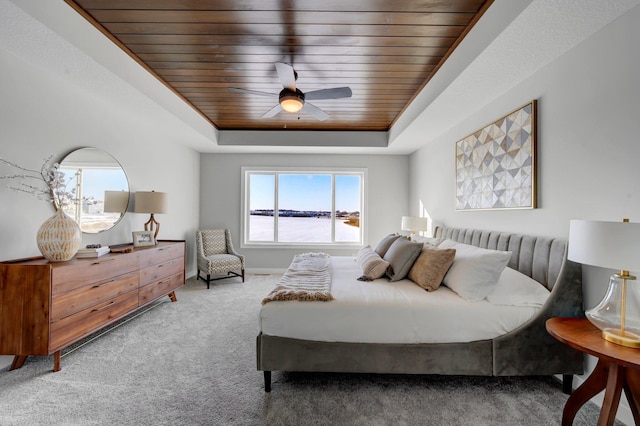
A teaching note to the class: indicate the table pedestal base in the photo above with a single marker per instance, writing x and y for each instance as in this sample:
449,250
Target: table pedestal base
614,378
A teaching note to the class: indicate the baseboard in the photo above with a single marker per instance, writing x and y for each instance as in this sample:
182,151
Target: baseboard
5,361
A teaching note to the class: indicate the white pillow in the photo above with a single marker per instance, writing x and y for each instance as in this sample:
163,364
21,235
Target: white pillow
517,289
475,271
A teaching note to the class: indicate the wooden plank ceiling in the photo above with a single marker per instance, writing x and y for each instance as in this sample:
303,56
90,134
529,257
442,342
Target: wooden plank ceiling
384,50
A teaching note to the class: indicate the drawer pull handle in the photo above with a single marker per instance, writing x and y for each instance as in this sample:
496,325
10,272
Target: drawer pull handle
103,261
100,285
104,307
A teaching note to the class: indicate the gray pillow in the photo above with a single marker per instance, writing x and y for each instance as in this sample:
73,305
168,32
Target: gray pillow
385,243
401,256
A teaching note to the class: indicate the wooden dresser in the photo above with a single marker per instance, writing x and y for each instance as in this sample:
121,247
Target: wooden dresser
47,306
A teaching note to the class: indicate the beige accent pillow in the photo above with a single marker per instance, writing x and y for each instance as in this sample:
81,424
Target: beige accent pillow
372,265
431,267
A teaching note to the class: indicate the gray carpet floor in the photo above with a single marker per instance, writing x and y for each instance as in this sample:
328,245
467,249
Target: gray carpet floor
193,363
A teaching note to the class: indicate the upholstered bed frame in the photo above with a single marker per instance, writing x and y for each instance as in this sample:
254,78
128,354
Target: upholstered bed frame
528,350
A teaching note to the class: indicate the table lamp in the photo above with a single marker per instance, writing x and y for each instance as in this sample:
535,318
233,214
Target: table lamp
154,203
612,245
414,224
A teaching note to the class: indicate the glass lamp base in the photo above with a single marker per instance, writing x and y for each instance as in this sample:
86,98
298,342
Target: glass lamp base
630,340
618,314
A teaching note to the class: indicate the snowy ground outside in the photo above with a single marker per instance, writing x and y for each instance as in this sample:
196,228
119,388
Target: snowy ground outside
301,229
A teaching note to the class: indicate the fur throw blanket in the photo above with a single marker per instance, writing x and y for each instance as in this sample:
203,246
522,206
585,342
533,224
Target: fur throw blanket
308,278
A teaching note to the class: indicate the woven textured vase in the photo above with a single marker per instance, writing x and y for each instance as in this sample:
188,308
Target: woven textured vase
59,237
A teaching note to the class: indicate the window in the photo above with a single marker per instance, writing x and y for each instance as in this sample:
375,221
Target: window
291,207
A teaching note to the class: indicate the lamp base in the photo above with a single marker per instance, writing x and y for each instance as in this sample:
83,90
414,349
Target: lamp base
152,224
615,335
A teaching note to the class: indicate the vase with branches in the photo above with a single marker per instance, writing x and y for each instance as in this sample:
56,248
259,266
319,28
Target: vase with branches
59,237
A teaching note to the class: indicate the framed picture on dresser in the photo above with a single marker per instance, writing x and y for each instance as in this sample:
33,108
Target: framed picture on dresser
143,238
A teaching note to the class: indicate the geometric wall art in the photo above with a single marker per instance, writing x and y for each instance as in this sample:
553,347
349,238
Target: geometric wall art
496,165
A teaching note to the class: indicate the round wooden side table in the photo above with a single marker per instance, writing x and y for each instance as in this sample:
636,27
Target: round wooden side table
618,368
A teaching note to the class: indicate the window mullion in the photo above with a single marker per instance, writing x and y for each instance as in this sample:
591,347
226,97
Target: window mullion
333,207
276,208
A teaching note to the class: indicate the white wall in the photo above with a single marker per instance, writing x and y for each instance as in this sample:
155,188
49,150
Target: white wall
43,113
221,196
588,145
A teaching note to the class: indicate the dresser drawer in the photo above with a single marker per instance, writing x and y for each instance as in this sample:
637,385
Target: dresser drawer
158,289
160,253
81,298
74,327
154,273
80,272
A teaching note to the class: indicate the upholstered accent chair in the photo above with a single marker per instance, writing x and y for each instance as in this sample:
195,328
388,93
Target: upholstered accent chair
216,256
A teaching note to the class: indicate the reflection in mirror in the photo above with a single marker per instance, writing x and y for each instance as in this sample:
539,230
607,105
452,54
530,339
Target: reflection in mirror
97,189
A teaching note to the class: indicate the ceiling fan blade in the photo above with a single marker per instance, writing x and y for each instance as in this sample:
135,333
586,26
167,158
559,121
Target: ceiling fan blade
252,92
315,111
286,75
272,112
335,93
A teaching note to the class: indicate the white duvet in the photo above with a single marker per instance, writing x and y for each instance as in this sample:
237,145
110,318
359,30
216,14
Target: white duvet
381,311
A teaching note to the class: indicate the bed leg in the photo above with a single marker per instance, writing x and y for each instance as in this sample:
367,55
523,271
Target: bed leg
267,381
567,383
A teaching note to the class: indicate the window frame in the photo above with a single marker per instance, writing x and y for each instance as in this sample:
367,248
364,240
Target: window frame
333,171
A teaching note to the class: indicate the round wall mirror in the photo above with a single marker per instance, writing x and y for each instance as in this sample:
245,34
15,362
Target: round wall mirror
96,189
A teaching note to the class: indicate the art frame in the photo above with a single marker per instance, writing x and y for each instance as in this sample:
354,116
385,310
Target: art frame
496,165
143,238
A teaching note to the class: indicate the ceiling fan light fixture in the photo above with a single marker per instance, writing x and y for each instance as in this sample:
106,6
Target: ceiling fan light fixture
291,101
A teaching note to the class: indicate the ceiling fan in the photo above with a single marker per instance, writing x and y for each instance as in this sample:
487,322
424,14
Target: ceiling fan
292,99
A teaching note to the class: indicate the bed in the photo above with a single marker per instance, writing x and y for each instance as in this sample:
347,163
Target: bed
525,350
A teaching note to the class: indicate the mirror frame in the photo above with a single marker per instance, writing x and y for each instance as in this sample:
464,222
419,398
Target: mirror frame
96,160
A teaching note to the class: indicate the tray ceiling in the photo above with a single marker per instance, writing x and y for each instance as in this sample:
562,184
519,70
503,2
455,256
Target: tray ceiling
385,51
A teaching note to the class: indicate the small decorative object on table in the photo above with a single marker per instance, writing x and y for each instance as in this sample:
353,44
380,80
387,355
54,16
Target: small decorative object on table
125,249
143,238
92,251
59,237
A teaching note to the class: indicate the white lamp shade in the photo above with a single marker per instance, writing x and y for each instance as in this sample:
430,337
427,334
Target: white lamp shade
116,201
151,202
613,245
414,223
